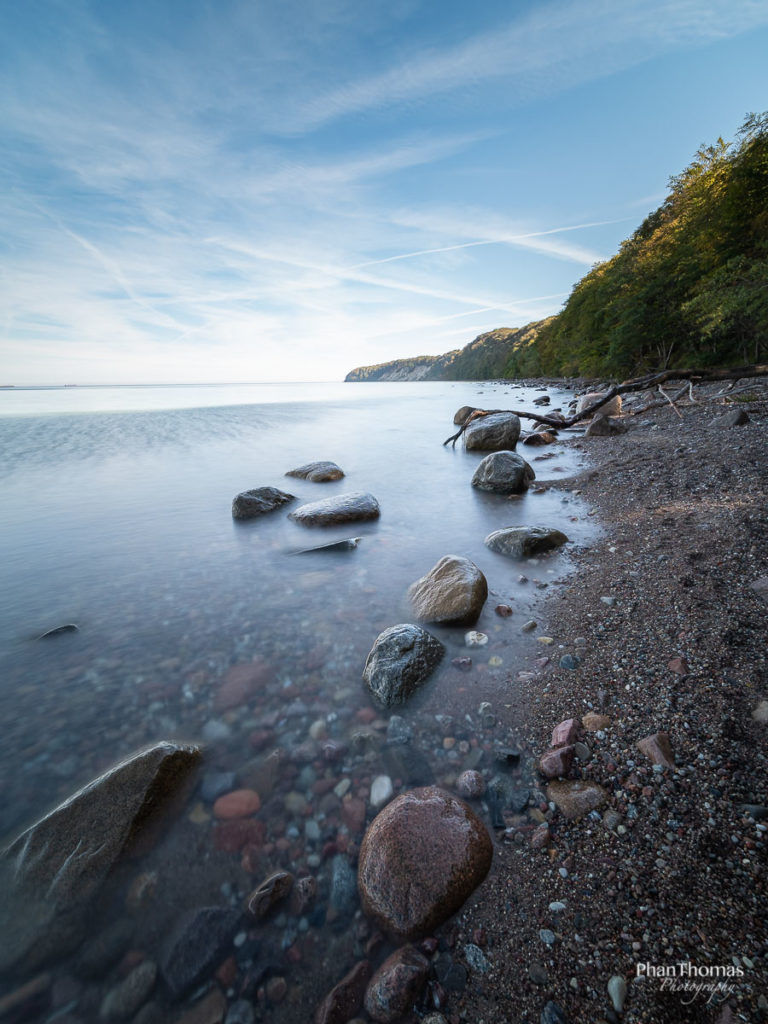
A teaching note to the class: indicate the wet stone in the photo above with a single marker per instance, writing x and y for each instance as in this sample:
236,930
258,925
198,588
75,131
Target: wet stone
346,997
343,885
240,1012
553,1014
216,784
201,939
396,985
401,660
124,999
105,949
259,501
398,730
341,508
475,957
453,592
317,472
272,891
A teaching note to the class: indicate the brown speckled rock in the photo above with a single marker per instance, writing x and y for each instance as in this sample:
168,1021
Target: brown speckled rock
577,798
345,998
420,859
397,985
658,748
318,472
453,592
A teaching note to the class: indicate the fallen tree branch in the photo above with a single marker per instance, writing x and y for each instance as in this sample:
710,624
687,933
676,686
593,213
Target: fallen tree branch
650,381
672,400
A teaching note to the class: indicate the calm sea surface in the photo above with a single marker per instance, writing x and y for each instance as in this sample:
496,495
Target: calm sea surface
116,516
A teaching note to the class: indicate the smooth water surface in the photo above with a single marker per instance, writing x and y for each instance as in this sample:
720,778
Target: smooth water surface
115,516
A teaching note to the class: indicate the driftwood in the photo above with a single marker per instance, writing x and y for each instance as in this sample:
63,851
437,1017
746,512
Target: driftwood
652,380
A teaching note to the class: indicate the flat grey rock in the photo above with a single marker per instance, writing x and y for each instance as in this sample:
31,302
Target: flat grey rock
525,541
341,508
196,946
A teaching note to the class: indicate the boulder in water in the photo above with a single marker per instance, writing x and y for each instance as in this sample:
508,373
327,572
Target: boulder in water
503,473
525,541
401,660
496,432
318,472
453,592
50,875
249,504
341,508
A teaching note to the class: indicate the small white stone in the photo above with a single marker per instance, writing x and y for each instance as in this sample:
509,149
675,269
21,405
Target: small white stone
381,790
617,990
475,639
342,787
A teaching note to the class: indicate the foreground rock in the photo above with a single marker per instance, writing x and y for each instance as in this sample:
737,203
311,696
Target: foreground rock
420,859
341,508
397,985
200,941
604,426
401,660
503,473
258,502
496,432
52,872
345,998
611,408
525,541
318,472
577,798
453,591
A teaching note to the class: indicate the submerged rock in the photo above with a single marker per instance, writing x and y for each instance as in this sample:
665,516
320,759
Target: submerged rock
341,508
337,545
52,872
401,660
420,859
318,472
496,432
525,541
397,985
453,592
346,997
249,504
68,627
200,941
503,473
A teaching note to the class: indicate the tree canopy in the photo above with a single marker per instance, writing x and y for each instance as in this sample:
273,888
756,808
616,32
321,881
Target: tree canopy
689,287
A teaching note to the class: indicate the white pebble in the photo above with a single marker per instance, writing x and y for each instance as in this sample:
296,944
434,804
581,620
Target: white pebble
617,990
381,790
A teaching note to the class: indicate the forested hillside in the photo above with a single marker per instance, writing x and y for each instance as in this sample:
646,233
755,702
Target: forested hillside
690,287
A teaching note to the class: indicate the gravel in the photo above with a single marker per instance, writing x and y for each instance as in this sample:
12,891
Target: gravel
675,871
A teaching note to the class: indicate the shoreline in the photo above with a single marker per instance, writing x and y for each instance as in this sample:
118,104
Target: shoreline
670,869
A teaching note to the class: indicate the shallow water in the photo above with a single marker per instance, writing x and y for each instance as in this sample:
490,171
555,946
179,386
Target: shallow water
116,516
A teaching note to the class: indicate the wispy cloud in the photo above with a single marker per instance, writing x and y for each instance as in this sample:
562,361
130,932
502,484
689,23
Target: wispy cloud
555,45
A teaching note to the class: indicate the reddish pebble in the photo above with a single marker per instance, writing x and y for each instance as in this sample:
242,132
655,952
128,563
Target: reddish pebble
365,715
240,803
293,954
503,610
227,973
353,814
232,836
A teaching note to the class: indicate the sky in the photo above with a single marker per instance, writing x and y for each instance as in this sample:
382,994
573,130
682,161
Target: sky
246,190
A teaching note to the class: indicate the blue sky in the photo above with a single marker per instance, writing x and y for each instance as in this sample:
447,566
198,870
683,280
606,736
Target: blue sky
222,190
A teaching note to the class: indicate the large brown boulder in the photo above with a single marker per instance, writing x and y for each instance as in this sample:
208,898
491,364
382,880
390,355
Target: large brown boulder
420,859
50,875
496,432
453,592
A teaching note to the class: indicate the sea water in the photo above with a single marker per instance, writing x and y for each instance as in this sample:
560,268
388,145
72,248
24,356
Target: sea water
116,517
